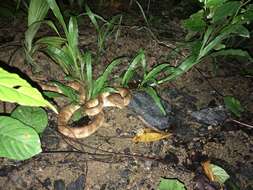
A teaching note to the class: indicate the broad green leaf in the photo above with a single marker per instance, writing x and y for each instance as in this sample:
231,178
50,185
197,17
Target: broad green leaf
196,22
17,140
151,91
139,59
171,184
219,173
214,3
225,10
101,82
31,116
233,105
16,90
233,52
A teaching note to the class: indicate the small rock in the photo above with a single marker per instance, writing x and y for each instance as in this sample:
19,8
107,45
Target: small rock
210,116
143,105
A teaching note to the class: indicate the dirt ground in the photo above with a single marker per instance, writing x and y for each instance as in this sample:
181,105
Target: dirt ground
109,160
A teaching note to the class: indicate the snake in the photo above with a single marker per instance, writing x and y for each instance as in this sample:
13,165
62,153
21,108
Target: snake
92,108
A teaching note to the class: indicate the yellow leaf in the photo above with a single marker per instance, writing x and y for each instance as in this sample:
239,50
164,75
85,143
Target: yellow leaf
149,135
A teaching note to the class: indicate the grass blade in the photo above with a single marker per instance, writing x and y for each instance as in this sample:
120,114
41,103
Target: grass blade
151,91
100,83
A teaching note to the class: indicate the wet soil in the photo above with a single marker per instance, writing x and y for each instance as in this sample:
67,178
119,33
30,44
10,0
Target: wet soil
108,159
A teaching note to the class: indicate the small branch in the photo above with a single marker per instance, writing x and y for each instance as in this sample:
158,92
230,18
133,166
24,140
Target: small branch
241,123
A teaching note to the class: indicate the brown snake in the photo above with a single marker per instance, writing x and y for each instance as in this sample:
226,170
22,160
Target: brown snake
93,108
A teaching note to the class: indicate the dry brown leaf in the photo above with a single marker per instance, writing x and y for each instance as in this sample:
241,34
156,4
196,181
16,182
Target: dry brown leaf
149,135
208,170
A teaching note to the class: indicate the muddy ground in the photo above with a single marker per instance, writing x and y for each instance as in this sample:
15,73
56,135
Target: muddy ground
108,159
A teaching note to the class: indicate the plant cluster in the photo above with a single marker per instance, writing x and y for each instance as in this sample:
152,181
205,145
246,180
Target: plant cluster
208,33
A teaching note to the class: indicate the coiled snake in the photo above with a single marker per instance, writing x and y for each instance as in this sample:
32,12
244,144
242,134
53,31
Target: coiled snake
92,108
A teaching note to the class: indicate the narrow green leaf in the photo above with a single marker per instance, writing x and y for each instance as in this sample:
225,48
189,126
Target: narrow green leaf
88,62
225,10
57,13
67,91
101,82
16,90
72,36
34,117
32,30
17,141
233,52
92,17
60,57
196,22
151,91
51,40
155,72
139,59
37,11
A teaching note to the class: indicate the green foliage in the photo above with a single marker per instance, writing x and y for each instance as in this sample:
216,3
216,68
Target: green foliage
69,92
16,90
17,140
105,30
209,28
220,174
31,116
149,78
19,137
138,61
171,184
233,105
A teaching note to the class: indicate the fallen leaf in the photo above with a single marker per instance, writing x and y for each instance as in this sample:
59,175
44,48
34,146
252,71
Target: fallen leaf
214,172
149,135
207,169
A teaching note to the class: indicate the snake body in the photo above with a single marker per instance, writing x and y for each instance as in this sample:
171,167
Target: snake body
92,108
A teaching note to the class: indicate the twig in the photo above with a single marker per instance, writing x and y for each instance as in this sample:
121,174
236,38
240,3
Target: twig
241,123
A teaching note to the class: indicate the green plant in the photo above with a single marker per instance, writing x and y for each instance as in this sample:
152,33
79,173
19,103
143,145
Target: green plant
105,30
37,12
19,137
75,64
208,30
148,79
